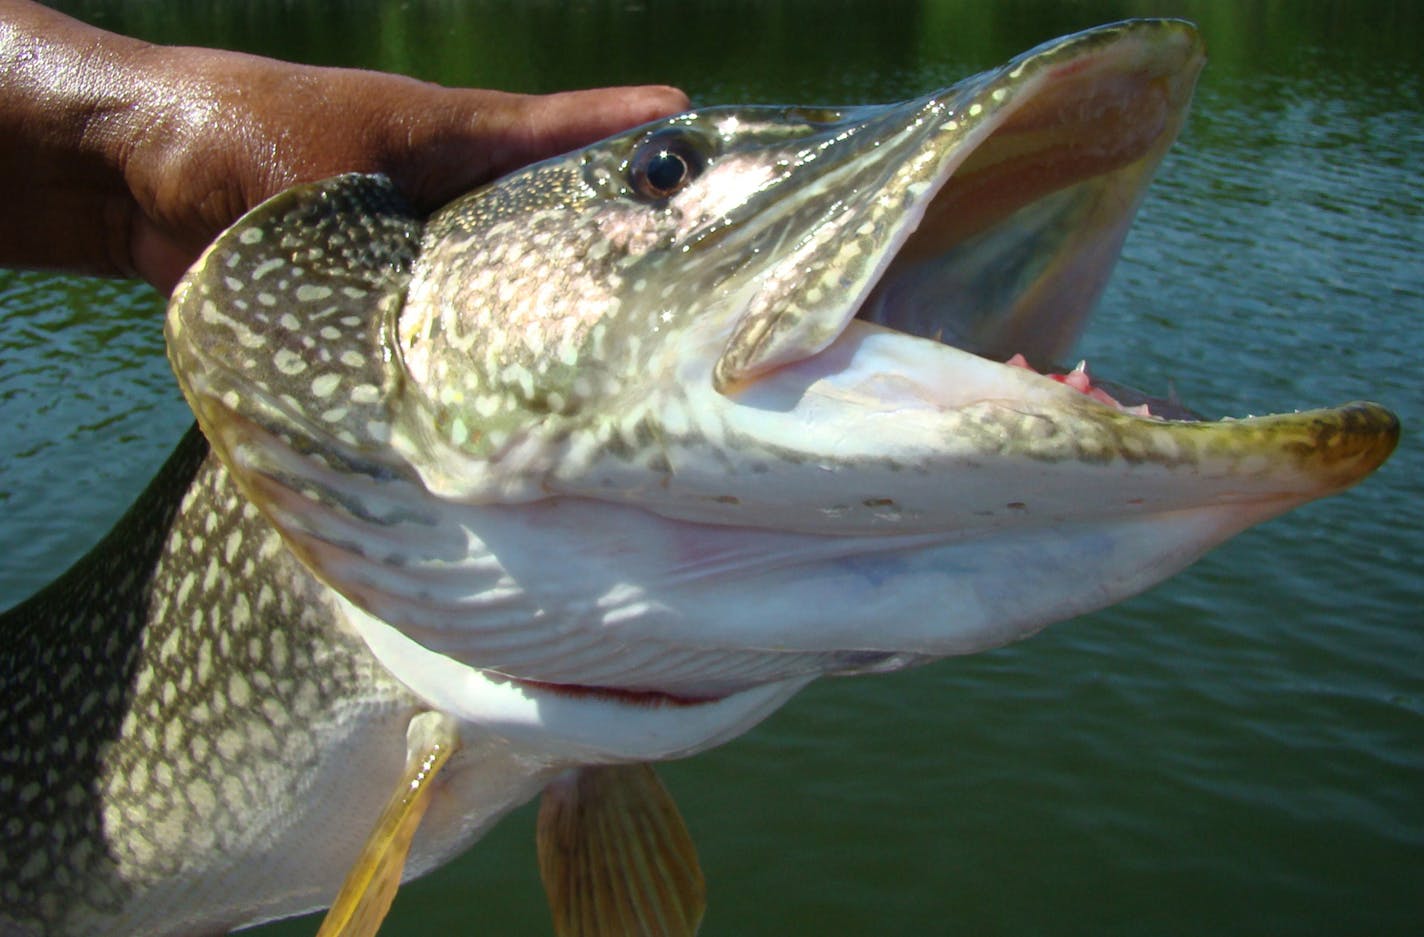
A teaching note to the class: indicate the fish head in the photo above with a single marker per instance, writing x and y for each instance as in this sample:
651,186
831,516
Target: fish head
738,398
682,296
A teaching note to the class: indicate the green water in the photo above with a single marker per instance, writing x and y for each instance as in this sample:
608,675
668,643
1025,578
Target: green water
1240,751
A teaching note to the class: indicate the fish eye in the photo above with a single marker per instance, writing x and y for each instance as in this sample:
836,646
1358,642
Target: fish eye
664,164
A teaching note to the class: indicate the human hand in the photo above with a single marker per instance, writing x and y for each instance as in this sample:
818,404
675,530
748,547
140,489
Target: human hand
126,158
244,128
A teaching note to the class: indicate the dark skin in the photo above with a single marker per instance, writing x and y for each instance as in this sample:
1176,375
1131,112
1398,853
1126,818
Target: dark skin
123,158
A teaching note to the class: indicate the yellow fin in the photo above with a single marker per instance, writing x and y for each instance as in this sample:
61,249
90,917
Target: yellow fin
371,885
616,858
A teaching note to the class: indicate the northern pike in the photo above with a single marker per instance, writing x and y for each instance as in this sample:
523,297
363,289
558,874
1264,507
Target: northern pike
598,466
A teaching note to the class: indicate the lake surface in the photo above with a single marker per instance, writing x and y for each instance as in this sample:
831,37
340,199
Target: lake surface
1240,751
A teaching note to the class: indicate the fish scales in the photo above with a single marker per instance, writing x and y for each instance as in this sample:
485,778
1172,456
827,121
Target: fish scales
149,748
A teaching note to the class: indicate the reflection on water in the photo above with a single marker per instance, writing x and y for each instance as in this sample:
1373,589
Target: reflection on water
1241,751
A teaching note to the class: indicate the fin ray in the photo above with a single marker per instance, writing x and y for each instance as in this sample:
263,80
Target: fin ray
371,885
616,857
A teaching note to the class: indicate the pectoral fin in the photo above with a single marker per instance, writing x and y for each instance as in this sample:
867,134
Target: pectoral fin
616,858
371,885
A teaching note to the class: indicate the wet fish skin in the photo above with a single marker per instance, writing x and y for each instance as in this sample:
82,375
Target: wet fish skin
172,704
589,550
700,406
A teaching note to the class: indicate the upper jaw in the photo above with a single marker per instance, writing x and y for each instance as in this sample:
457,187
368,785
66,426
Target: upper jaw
988,214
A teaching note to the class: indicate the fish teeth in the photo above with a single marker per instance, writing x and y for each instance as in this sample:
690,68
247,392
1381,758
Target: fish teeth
1078,378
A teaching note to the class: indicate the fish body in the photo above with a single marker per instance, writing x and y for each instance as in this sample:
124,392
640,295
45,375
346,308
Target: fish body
603,463
180,711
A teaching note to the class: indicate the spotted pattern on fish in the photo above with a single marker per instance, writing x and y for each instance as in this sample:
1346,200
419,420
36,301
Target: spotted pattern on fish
489,330
583,434
568,333
294,301
168,702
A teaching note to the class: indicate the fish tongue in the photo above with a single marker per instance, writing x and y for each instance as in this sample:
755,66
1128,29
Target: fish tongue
615,856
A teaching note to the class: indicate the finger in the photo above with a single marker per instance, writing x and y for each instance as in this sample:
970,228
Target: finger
503,132
159,256
560,122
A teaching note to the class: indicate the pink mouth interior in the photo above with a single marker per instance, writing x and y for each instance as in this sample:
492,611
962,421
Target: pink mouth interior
1080,380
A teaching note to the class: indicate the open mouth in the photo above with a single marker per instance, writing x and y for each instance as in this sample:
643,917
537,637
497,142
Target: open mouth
949,254
1013,248
992,214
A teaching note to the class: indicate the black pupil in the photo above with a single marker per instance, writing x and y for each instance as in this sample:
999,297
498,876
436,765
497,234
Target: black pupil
665,171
